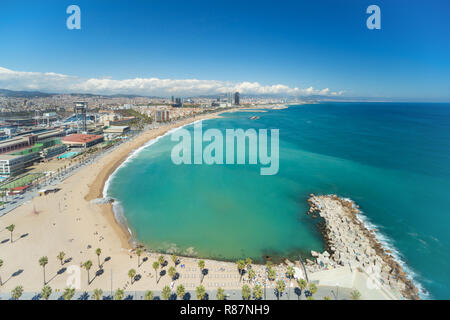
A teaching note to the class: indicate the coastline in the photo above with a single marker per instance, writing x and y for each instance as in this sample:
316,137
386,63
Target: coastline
71,221
349,242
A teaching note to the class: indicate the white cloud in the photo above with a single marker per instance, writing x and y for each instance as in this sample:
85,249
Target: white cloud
55,82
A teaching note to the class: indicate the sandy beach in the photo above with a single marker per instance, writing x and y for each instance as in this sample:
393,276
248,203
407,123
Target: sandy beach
68,221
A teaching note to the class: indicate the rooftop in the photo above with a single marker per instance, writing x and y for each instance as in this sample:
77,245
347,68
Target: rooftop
81,138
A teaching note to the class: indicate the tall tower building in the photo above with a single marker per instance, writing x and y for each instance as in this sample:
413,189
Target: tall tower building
236,98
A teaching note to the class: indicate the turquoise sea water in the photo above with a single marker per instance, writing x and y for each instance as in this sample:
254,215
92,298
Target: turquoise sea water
391,158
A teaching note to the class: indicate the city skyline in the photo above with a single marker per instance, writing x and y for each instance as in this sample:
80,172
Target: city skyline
293,49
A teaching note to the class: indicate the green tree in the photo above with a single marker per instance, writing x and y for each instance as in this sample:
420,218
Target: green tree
88,265
131,275
248,263
156,266
98,293
174,259
271,274
43,262
201,266
98,252
200,292
166,293
148,295
355,295
280,288
257,292
246,292
172,272
61,256
220,294
251,274
302,284
312,288
139,253
46,292
241,267
290,274
68,293
119,294
11,228
180,291
17,292
161,260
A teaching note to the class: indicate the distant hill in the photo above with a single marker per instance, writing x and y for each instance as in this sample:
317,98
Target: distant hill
33,94
23,94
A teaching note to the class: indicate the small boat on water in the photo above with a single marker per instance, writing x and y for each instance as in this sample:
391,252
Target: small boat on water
254,118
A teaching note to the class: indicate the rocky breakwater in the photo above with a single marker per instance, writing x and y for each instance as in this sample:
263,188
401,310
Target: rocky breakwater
349,242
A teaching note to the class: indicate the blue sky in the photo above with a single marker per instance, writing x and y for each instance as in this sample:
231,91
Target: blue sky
298,44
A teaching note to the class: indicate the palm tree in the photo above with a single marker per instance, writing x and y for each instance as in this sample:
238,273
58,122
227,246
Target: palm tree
251,274
174,259
60,257
241,267
302,284
98,252
87,265
172,272
98,293
166,293
68,293
138,253
46,292
257,292
201,266
180,291
148,295
16,293
161,260
11,228
200,292
312,288
131,274
1,264
280,288
156,266
355,295
119,294
246,292
248,263
42,262
271,274
220,294
290,273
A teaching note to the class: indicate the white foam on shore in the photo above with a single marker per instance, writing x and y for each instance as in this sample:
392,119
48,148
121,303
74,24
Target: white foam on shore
388,245
116,205
134,153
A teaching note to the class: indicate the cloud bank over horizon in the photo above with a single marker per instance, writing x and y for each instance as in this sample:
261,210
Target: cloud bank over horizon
61,83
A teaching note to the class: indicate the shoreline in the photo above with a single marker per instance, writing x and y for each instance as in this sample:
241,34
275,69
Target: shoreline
349,242
131,148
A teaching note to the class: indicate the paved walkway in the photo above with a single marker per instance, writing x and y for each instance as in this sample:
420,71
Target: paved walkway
333,292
